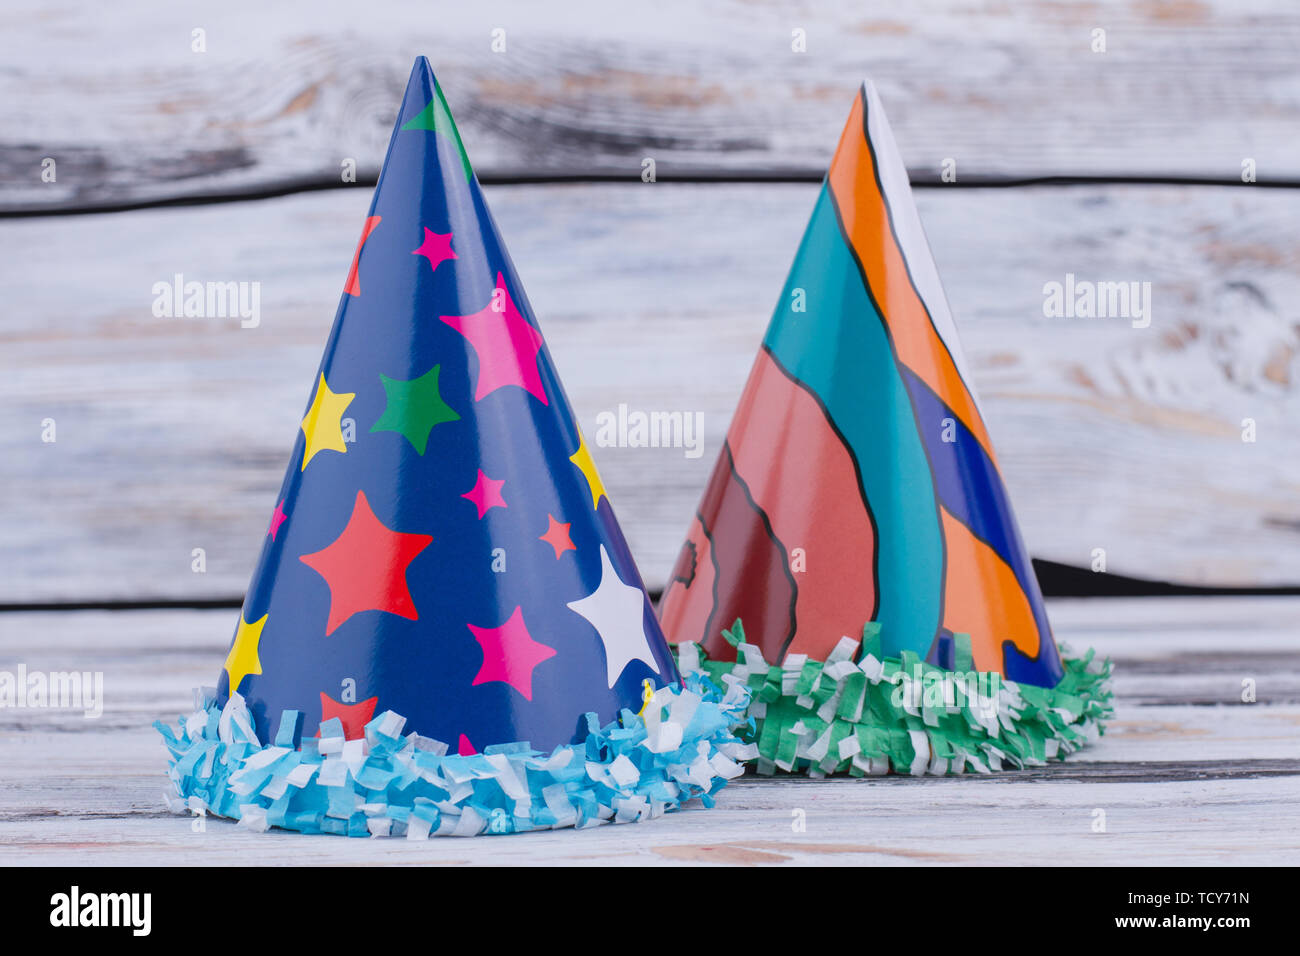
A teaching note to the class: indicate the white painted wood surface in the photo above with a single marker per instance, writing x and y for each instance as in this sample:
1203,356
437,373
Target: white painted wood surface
173,434
285,92
1188,774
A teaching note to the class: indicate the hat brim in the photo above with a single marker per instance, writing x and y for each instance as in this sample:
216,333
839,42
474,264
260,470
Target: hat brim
859,713
637,767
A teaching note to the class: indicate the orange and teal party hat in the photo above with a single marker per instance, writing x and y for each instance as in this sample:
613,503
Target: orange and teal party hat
856,543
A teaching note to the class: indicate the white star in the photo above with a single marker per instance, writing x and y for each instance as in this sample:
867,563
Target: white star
617,612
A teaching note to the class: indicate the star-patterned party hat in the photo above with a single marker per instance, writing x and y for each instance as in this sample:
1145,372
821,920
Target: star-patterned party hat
856,529
445,632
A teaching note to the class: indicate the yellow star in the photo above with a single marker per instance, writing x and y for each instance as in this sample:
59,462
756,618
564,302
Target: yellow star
582,458
323,426
242,659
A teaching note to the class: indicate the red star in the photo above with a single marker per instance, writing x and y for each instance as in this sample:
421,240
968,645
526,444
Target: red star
277,519
353,285
486,494
436,248
365,567
557,536
509,654
354,716
506,345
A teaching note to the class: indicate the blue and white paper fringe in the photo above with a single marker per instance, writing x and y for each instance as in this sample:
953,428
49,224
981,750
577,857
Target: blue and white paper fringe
636,768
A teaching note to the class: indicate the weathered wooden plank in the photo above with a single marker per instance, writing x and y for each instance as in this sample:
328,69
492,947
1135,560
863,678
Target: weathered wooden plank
151,659
1179,667
1178,784
172,434
1138,734
1191,651
114,820
119,99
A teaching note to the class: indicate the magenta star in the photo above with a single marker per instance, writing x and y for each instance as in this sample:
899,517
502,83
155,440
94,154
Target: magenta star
510,654
436,248
486,494
506,345
277,519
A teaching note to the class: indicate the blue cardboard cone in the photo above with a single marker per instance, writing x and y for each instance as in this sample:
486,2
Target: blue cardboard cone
445,632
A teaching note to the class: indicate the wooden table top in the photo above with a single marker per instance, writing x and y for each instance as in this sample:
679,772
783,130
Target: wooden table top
1187,774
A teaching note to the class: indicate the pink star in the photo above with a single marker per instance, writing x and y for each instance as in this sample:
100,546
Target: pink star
486,494
436,248
464,748
510,654
277,519
506,345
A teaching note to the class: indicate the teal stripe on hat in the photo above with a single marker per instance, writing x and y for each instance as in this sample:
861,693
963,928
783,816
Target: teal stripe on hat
838,348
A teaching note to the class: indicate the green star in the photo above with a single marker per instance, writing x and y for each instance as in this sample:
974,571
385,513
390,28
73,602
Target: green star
436,117
413,408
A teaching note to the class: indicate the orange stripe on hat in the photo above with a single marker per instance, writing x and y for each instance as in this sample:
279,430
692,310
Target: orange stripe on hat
865,219
982,598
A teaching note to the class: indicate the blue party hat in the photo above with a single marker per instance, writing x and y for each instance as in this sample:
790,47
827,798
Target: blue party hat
443,562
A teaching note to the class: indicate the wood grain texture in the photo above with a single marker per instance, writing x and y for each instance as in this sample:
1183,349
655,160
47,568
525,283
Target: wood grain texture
173,434
283,94
1180,783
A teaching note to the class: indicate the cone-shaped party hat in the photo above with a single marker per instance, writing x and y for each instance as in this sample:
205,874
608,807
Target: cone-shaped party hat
443,562
858,486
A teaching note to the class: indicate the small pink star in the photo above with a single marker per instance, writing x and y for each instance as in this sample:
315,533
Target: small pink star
505,343
465,748
436,248
277,519
486,493
510,654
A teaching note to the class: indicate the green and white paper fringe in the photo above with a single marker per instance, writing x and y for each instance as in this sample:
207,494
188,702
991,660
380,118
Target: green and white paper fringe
865,713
